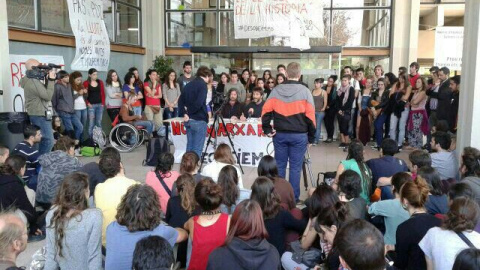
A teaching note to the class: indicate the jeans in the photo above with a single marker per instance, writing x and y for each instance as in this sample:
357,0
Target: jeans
82,116
379,123
137,110
169,114
196,134
46,144
72,124
401,124
318,118
290,148
148,125
95,114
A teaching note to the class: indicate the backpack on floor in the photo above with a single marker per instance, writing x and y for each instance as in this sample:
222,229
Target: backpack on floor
98,137
155,147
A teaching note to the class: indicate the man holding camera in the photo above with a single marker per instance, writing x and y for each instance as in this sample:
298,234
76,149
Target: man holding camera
38,102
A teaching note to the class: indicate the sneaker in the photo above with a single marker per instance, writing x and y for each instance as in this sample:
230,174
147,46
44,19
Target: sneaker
77,152
35,238
341,145
329,140
400,148
314,144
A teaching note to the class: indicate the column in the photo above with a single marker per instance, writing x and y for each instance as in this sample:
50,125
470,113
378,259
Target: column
406,20
153,22
468,133
5,104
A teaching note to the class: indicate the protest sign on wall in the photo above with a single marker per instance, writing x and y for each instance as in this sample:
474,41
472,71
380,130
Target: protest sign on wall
248,138
449,47
18,71
91,36
297,19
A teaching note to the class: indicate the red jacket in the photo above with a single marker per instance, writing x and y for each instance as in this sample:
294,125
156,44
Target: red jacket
102,91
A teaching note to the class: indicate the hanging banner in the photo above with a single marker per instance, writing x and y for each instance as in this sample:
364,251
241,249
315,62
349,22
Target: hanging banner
286,18
449,47
18,71
248,138
91,36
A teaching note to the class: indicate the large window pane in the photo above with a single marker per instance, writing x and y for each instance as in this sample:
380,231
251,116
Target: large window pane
192,4
191,29
361,3
21,13
108,18
128,26
55,16
131,2
361,28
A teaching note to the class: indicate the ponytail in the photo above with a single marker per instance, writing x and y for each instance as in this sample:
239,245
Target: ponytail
415,192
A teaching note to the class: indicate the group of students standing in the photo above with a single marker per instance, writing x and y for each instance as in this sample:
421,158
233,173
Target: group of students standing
404,107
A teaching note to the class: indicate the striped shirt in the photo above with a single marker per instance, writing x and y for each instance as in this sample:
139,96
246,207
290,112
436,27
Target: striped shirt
31,154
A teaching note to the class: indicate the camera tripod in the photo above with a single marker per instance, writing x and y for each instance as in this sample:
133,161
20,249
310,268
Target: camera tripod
216,123
307,165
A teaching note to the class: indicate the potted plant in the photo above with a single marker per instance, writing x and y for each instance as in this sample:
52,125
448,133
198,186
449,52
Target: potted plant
162,65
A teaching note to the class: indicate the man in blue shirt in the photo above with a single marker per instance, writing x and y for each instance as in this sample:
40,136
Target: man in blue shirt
192,105
386,166
27,149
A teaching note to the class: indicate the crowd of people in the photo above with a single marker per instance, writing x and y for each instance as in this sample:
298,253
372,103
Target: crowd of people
382,213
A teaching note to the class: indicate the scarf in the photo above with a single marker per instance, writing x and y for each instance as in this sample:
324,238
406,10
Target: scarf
344,90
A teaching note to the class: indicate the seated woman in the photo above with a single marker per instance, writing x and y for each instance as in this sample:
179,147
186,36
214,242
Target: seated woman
349,187
209,229
153,252
190,164
221,158
162,178
355,161
437,202
138,216
127,115
246,240
414,194
74,231
442,244
181,208
231,193
392,210
277,220
13,193
268,167
54,167
327,224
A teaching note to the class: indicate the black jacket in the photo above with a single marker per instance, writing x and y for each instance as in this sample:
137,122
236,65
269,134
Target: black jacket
347,107
248,255
12,194
444,96
192,101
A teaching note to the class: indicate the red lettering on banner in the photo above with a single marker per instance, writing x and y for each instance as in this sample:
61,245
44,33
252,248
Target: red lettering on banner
251,131
221,130
240,130
211,130
182,128
230,127
260,131
176,126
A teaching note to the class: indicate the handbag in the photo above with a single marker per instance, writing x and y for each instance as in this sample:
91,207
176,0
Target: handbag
167,189
310,257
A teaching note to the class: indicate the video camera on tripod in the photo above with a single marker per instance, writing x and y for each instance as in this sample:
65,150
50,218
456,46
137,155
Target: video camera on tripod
218,99
40,72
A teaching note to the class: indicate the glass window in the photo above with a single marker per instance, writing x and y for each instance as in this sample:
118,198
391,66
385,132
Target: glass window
131,2
128,26
21,13
55,17
361,3
191,29
108,18
193,4
361,28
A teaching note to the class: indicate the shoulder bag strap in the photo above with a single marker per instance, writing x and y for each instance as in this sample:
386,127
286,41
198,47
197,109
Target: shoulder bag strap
160,178
465,239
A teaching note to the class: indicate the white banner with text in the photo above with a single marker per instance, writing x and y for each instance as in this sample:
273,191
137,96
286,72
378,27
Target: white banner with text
91,36
250,143
449,47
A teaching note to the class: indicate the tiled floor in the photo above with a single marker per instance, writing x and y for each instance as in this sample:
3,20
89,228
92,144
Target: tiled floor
324,157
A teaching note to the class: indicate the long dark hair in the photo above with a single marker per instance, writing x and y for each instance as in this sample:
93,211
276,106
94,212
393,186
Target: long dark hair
186,191
355,152
70,196
264,193
228,181
109,77
247,222
166,79
268,167
13,165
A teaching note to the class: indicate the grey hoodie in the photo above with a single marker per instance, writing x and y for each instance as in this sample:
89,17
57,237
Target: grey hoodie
474,183
63,98
54,167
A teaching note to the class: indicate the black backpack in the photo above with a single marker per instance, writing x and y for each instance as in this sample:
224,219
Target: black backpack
155,147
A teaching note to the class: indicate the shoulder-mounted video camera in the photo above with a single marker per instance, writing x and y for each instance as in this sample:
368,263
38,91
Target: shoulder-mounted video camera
41,71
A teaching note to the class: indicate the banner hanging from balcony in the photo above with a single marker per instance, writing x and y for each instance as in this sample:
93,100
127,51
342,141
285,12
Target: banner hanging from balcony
298,20
449,47
91,36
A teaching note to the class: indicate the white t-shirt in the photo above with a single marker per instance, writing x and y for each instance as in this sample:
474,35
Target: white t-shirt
79,103
442,246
